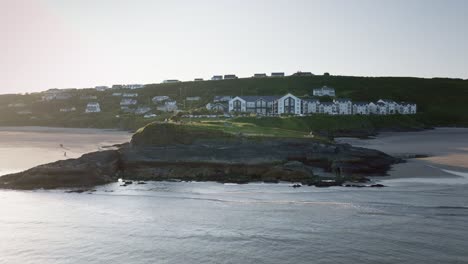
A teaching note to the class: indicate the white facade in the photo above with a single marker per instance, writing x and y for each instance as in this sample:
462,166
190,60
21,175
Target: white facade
328,108
93,108
128,101
237,104
344,106
130,95
392,106
406,108
133,86
160,99
324,91
101,88
310,106
289,104
142,110
361,108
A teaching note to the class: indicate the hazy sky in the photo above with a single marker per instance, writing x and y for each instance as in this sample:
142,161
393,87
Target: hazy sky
83,43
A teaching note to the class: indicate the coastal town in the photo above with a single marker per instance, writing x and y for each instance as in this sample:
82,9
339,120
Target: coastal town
134,99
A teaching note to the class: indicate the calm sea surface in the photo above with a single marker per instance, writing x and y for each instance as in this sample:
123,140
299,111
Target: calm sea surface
414,220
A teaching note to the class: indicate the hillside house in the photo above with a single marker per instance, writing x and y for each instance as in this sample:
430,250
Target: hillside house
324,91
406,108
260,75
302,74
198,79
128,101
391,105
344,106
289,104
329,108
264,105
378,108
117,94
169,106
133,86
16,105
171,81
55,94
93,107
361,108
310,106
217,78
159,99
222,98
277,74
101,88
130,95
142,110
217,107
193,98
230,77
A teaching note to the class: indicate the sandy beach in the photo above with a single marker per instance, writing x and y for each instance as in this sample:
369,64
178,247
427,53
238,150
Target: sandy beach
25,147
447,149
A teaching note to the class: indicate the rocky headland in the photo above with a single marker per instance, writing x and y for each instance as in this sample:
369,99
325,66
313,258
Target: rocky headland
165,151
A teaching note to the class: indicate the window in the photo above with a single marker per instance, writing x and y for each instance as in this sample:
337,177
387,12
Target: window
237,106
289,105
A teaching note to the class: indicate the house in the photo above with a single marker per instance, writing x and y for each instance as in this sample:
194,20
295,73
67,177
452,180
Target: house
390,104
217,107
101,88
324,91
149,115
265,105
128,101
93,107
67,110
17,105
133,86
345,106
260,75
117,94
193,98
55,94
117,86
141,110
361,108
160,99
378,108
198,79
217,77
171,81
222,98
406,108
277,74
169,106
289,104
301,74
130,95
310,106
329,108
230,77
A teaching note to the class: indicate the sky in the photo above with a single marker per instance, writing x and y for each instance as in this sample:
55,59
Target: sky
85,43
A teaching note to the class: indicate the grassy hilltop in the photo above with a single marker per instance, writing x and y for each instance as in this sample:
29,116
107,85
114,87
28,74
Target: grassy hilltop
441,102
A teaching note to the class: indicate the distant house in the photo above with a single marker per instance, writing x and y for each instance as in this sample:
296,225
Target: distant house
198,79
193,98
55,94
169,106
222,98
93,107
217,77
217,107
260,75
329,108
16,105
310,105
159,99
230,77
67,109
277,74
133,86
344,106
391,105
406,108
142,110
324,91
117,86
361,108
378,108
289,104
130,95
101,88
171,81
301,74
128,101
117,94
264,105
149,115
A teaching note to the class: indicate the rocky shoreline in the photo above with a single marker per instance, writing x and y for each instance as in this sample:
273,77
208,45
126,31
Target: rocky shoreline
162,152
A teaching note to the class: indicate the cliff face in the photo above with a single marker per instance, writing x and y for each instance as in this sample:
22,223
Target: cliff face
176,152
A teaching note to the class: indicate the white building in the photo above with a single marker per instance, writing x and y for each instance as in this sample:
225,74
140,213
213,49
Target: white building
133,86
344,106
310,106
101,88
142,110
169,106
329,108
361,108
128,101
289,104
93,107
277,74
406,108
324,91
160,99
55,94
193,98
130,95
264,105
117,94
217,107
217,77
378,108
171,81
391,105
222,98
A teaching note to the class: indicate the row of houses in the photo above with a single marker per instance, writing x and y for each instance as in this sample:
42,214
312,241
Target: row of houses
290,104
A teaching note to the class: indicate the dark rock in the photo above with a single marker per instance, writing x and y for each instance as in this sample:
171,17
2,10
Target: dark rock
377,185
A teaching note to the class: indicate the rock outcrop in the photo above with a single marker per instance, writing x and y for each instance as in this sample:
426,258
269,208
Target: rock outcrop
178,152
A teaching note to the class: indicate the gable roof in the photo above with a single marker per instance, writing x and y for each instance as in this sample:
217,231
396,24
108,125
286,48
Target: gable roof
267,98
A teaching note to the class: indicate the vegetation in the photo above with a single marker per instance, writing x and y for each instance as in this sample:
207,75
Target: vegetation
441,102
